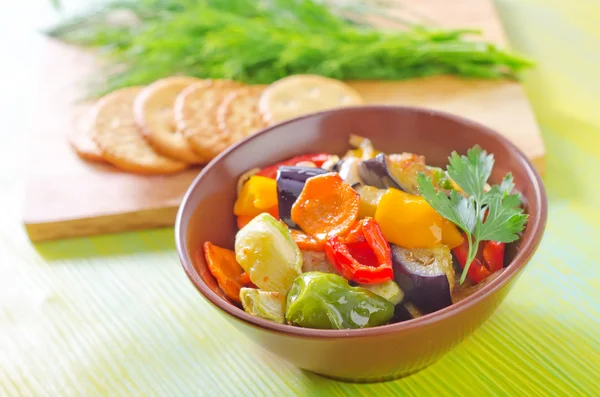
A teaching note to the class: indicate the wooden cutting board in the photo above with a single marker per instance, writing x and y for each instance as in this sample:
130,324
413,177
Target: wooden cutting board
67,197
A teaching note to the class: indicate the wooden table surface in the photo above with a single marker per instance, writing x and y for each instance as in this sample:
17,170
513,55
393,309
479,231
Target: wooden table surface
116,316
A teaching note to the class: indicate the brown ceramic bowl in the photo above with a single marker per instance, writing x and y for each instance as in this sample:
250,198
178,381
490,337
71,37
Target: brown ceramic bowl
371,354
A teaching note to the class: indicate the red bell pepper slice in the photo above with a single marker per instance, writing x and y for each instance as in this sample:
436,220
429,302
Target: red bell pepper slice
493,255
271,171
364,256
489,259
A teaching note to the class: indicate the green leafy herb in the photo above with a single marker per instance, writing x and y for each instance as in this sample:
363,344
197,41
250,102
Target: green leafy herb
258,41
505,188
492,215
471,172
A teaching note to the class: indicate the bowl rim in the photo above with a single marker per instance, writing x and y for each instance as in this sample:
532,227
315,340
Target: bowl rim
526,251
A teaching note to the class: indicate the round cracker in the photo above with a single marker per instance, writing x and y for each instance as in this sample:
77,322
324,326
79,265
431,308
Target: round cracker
153,110
238,116
118,138
80,137
196,114
298,95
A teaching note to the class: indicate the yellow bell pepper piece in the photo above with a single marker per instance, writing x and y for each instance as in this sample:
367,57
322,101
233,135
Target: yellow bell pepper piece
451,236
258,195
408,221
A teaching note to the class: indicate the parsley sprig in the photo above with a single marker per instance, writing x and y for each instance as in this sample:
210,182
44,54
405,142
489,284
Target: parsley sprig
505,218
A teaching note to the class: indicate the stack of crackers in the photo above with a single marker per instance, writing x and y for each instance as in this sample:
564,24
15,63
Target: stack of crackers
178,122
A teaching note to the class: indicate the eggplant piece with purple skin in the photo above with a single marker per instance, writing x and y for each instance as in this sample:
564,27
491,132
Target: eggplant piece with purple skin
398,171
290,182
425,275
375,172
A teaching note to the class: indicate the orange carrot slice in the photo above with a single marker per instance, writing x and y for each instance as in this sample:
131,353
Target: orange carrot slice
306,242
225,269
327,206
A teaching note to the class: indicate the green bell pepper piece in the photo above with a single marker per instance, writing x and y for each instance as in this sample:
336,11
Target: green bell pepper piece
267,252
264,304
327,301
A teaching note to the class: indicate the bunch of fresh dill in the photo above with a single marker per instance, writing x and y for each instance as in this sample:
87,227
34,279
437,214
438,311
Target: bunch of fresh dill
260,41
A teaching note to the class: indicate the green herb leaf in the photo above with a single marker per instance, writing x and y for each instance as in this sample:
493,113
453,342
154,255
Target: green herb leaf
504,219
466,210
458,209
258,42
504,189
507,185
471,172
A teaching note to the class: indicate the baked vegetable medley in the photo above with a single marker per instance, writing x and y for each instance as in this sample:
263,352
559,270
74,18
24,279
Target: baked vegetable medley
367,239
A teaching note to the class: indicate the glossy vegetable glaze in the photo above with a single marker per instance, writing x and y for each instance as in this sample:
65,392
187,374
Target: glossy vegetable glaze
385,351
326,301
385,221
